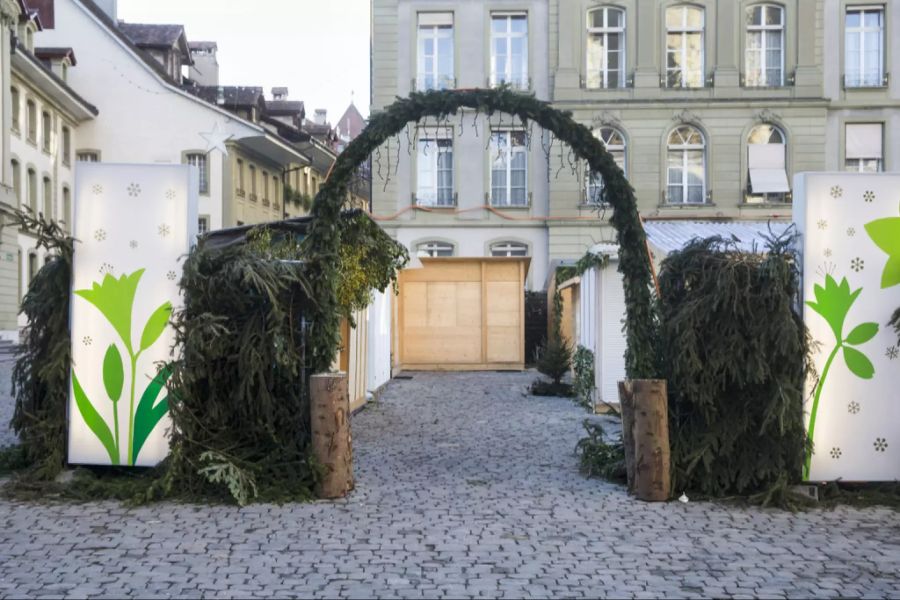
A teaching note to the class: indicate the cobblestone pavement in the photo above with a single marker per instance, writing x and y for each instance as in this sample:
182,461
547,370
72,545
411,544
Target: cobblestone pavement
466,488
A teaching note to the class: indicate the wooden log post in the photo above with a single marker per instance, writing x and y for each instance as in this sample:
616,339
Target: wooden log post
332,445
646,432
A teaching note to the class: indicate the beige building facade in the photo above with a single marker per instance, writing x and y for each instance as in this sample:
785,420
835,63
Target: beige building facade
710,107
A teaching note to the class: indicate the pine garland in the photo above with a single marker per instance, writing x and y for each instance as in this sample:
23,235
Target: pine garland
734,353
325,234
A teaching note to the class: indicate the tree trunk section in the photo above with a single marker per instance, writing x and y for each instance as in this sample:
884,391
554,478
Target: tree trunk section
646,431
626,403
331,439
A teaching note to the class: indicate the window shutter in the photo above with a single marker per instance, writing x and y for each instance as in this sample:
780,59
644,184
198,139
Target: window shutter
864,140
767,172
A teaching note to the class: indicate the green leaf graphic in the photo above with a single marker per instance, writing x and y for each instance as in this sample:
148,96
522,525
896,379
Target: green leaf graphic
148,415
862,334
858,363
833,302
886,235
115,299
93,420
113,373
156,325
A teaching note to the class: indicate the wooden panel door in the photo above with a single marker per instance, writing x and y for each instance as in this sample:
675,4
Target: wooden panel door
441,322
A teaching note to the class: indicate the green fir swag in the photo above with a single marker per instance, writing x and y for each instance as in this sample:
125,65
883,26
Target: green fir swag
325,236
40,377
734,351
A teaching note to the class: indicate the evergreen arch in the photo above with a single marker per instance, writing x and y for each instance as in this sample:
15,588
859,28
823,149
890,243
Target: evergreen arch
324,239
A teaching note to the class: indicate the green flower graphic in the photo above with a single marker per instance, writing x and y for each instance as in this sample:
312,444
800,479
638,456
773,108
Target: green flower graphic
833,302
886,235
114,298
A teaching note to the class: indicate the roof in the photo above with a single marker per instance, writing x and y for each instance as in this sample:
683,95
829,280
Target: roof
51,84
152,35
234,95
297,226
285,107
748,236
605,249
58,53
44,8
351,122
203,45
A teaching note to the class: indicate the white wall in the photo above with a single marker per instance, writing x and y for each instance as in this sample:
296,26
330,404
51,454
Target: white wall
601,317
140,120
379,340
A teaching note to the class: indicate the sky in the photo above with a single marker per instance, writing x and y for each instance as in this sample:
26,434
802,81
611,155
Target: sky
318,49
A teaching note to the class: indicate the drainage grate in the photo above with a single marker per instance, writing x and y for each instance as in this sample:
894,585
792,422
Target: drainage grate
402,376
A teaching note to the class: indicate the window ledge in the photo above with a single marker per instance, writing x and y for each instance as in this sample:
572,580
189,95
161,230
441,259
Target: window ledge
687,206
511,206
787,205
851,88
437,207
593,206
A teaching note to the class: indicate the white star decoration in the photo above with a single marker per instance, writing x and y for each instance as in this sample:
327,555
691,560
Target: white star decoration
215,139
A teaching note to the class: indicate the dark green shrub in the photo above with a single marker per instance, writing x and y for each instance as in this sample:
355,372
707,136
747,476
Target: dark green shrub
583,386
734,353
599,458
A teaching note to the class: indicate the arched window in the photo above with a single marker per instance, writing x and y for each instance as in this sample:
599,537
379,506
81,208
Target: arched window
32,121
764,65
684,47
605,48
509,249
686,166
767,175
48,199
67,208
66,145
46,131
253,183
16,109
32,266
32,192
614,142
434,249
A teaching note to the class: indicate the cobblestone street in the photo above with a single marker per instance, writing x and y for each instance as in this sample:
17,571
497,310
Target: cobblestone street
466,487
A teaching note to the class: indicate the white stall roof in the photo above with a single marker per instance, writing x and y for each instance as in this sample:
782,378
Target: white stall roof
668,236
605,249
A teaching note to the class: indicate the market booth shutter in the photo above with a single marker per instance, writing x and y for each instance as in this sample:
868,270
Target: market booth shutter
459,314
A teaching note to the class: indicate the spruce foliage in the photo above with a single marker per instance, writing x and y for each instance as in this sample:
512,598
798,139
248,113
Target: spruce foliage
734,353
554,357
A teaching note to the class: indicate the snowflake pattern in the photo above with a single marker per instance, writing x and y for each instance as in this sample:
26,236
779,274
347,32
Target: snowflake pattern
827,253
87,340
851,232
164,230
100,235
134,190
869,196
171,275
853,408
106,269
97,189
837,191
880,444
133,244
170,194
823,224
857,264
835,453
892,352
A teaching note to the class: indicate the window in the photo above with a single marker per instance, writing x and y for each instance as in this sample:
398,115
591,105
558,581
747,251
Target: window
32,266
864,47
864,143
67,206
202,225
434,164
606,48
767,175
509,249
32,121
17,181
684,47
435,54
198,159
275,194
32,191
686,166
14,99
509,50
434,249
614,142
765,46
48,199
509,169
240,178
66,145
265,188
46,131
87,156
253,182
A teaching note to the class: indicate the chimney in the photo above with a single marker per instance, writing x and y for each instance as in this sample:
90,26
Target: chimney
205,70
279,93
321,116
110,7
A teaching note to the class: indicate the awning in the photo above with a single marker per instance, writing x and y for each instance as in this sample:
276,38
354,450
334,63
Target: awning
864,140
767,171
748,236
